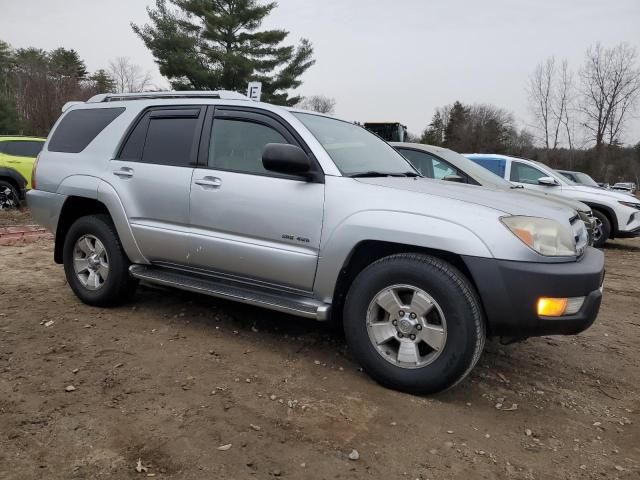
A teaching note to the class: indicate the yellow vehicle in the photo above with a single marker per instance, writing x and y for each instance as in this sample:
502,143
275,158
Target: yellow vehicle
17,155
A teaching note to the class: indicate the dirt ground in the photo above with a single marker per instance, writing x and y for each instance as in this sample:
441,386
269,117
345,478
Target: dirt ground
189,387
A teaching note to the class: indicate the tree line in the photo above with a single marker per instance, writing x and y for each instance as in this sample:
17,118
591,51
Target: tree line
35,84
579,119
197,46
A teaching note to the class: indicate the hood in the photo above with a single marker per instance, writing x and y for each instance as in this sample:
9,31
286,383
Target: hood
569,202
621,196
511,202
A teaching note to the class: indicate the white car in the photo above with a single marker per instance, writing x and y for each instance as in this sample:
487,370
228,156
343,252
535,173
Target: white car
617,215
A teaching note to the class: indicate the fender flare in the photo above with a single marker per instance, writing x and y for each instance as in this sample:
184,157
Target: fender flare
110,199
95,189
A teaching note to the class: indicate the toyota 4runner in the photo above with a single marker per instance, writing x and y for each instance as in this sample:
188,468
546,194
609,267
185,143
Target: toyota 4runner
312,216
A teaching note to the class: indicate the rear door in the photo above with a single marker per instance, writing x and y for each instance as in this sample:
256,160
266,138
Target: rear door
152,176
249,222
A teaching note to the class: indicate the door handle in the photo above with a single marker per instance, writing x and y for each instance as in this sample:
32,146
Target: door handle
213,182
124,172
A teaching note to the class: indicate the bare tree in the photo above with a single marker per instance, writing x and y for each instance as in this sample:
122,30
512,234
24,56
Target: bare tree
563,104
318,103
610,83
127,76
540,92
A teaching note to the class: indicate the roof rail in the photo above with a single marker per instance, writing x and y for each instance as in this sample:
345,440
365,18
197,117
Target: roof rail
117,97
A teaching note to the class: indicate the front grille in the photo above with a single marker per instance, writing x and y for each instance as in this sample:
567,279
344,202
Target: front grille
581,232
587,218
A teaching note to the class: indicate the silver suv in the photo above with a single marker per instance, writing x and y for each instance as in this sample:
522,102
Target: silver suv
312,216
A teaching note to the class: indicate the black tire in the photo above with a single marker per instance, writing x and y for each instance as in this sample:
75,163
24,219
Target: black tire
465,324
119,286
9,197
605,227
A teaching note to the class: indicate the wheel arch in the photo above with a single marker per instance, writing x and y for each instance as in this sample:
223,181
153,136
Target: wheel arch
368,251
609,213
107,202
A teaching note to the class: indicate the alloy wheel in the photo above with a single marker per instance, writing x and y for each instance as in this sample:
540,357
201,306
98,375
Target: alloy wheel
7,198
90,262
406,326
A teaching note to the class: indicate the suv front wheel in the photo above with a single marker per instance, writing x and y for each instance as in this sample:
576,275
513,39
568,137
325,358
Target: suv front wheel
414,323
95,264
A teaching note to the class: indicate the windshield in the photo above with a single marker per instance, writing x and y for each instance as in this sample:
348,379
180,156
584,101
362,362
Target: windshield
484,177
353,149
585,179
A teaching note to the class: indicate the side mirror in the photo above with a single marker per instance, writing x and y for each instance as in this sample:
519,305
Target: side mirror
285,158
454,178
548,181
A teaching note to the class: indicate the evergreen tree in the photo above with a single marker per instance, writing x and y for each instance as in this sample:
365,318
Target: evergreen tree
9,122
455,131
434,133
218,44
67,63
102,82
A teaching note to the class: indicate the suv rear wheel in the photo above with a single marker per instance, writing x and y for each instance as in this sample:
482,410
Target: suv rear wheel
601,229
414,323
95,264
8,196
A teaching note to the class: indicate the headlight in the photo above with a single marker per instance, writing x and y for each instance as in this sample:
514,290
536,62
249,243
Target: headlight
545,236
630,204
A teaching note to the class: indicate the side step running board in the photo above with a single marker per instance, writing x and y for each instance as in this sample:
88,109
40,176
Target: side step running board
260,297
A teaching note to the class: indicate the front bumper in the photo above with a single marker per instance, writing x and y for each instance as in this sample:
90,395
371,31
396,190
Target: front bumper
510,291
629,234
631,227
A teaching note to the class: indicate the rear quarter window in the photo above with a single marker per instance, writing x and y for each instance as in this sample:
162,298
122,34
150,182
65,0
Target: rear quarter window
78,128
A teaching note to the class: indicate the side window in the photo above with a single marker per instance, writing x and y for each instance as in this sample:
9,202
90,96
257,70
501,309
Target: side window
170,141
428,165
164,137
134,145
525,174
421,161
495,165
78,128
442,169
237,145
23,148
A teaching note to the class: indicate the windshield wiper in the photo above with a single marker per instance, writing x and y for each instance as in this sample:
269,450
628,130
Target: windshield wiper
373,173
513,187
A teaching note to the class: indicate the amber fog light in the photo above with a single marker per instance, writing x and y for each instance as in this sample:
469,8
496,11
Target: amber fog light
557,307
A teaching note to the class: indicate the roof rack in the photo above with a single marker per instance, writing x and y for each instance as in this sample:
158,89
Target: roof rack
118,97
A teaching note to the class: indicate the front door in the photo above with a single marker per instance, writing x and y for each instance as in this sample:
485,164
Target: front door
152,176
248,222
527,176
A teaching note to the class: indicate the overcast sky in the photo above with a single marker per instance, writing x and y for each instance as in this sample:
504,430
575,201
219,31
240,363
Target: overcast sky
381,60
